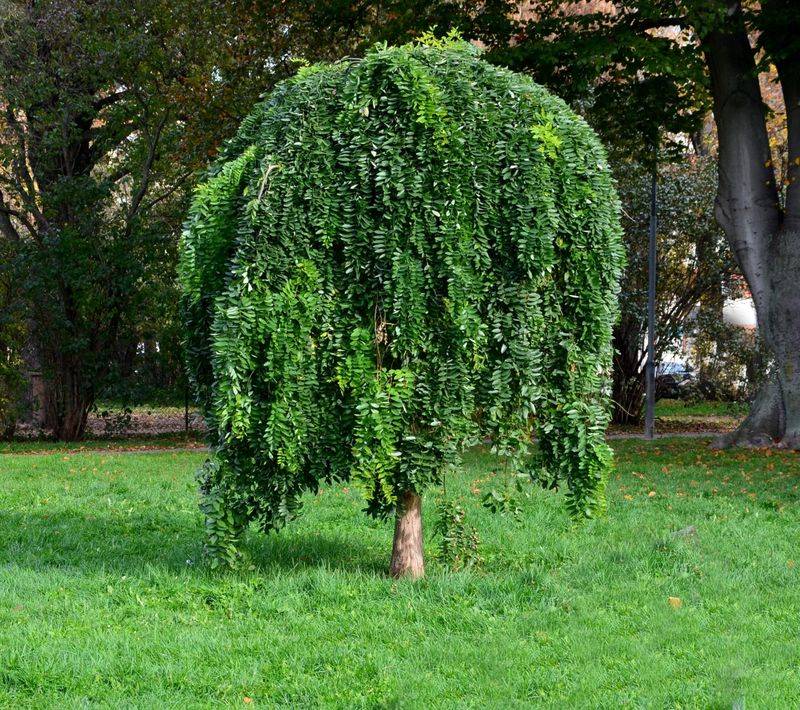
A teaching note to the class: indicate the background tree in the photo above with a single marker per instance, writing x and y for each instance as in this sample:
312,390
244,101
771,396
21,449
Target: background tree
694,267
593,50
761,221
107,109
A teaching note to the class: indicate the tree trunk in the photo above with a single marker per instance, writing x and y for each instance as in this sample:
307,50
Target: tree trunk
628,396
784,327
628,376
763,424
67,401
407,560
33,408
785,305
764,238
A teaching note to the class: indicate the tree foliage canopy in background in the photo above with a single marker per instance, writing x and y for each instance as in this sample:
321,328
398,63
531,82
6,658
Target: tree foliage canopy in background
95,98
393,257
108,110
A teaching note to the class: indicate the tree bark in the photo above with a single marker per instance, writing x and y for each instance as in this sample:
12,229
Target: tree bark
785,305
33,409
764,238
407,559
764,423
628,375
68,398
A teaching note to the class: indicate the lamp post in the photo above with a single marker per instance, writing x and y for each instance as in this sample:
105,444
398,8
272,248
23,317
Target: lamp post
650,368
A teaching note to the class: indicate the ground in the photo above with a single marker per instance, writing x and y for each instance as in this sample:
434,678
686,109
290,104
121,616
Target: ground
684,595
674,416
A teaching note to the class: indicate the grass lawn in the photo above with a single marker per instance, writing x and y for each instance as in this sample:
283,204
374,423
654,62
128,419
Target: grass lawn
104,600
678,409
704,408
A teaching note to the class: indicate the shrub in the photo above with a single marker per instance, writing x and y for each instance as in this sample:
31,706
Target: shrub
393,258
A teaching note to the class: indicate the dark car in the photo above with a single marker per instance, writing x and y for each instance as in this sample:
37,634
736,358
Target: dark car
674,380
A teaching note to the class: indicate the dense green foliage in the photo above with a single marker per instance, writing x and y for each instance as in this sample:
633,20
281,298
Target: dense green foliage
109,109
91,194
394,257
12,338
104,602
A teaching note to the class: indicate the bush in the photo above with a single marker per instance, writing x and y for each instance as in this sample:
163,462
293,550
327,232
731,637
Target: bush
731,362
393,258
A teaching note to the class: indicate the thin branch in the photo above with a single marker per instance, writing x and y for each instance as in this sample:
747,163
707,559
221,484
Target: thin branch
7,213
178,183
109,100
146,171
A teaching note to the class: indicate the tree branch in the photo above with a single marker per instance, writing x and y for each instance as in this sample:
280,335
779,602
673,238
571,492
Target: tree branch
6,225
7,212
178,183
109,100
136,201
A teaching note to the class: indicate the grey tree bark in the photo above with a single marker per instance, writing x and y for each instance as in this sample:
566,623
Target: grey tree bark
763,235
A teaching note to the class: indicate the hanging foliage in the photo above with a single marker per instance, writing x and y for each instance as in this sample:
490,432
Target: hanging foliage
394,258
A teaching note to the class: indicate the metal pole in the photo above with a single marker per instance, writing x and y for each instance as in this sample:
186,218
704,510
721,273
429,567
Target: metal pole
650,369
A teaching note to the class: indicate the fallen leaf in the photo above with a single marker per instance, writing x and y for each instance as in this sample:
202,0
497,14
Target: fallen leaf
247,700
675,602
651,494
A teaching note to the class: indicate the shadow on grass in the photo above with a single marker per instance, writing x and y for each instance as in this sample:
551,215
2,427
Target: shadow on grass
72,540
287,551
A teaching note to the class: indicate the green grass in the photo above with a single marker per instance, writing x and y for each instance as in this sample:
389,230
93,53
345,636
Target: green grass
104,600
681,409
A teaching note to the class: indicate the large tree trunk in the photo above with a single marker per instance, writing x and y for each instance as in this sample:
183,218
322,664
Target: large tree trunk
785,304
407,559
764,238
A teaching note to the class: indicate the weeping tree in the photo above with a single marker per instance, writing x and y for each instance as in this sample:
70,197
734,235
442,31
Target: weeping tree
394,258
